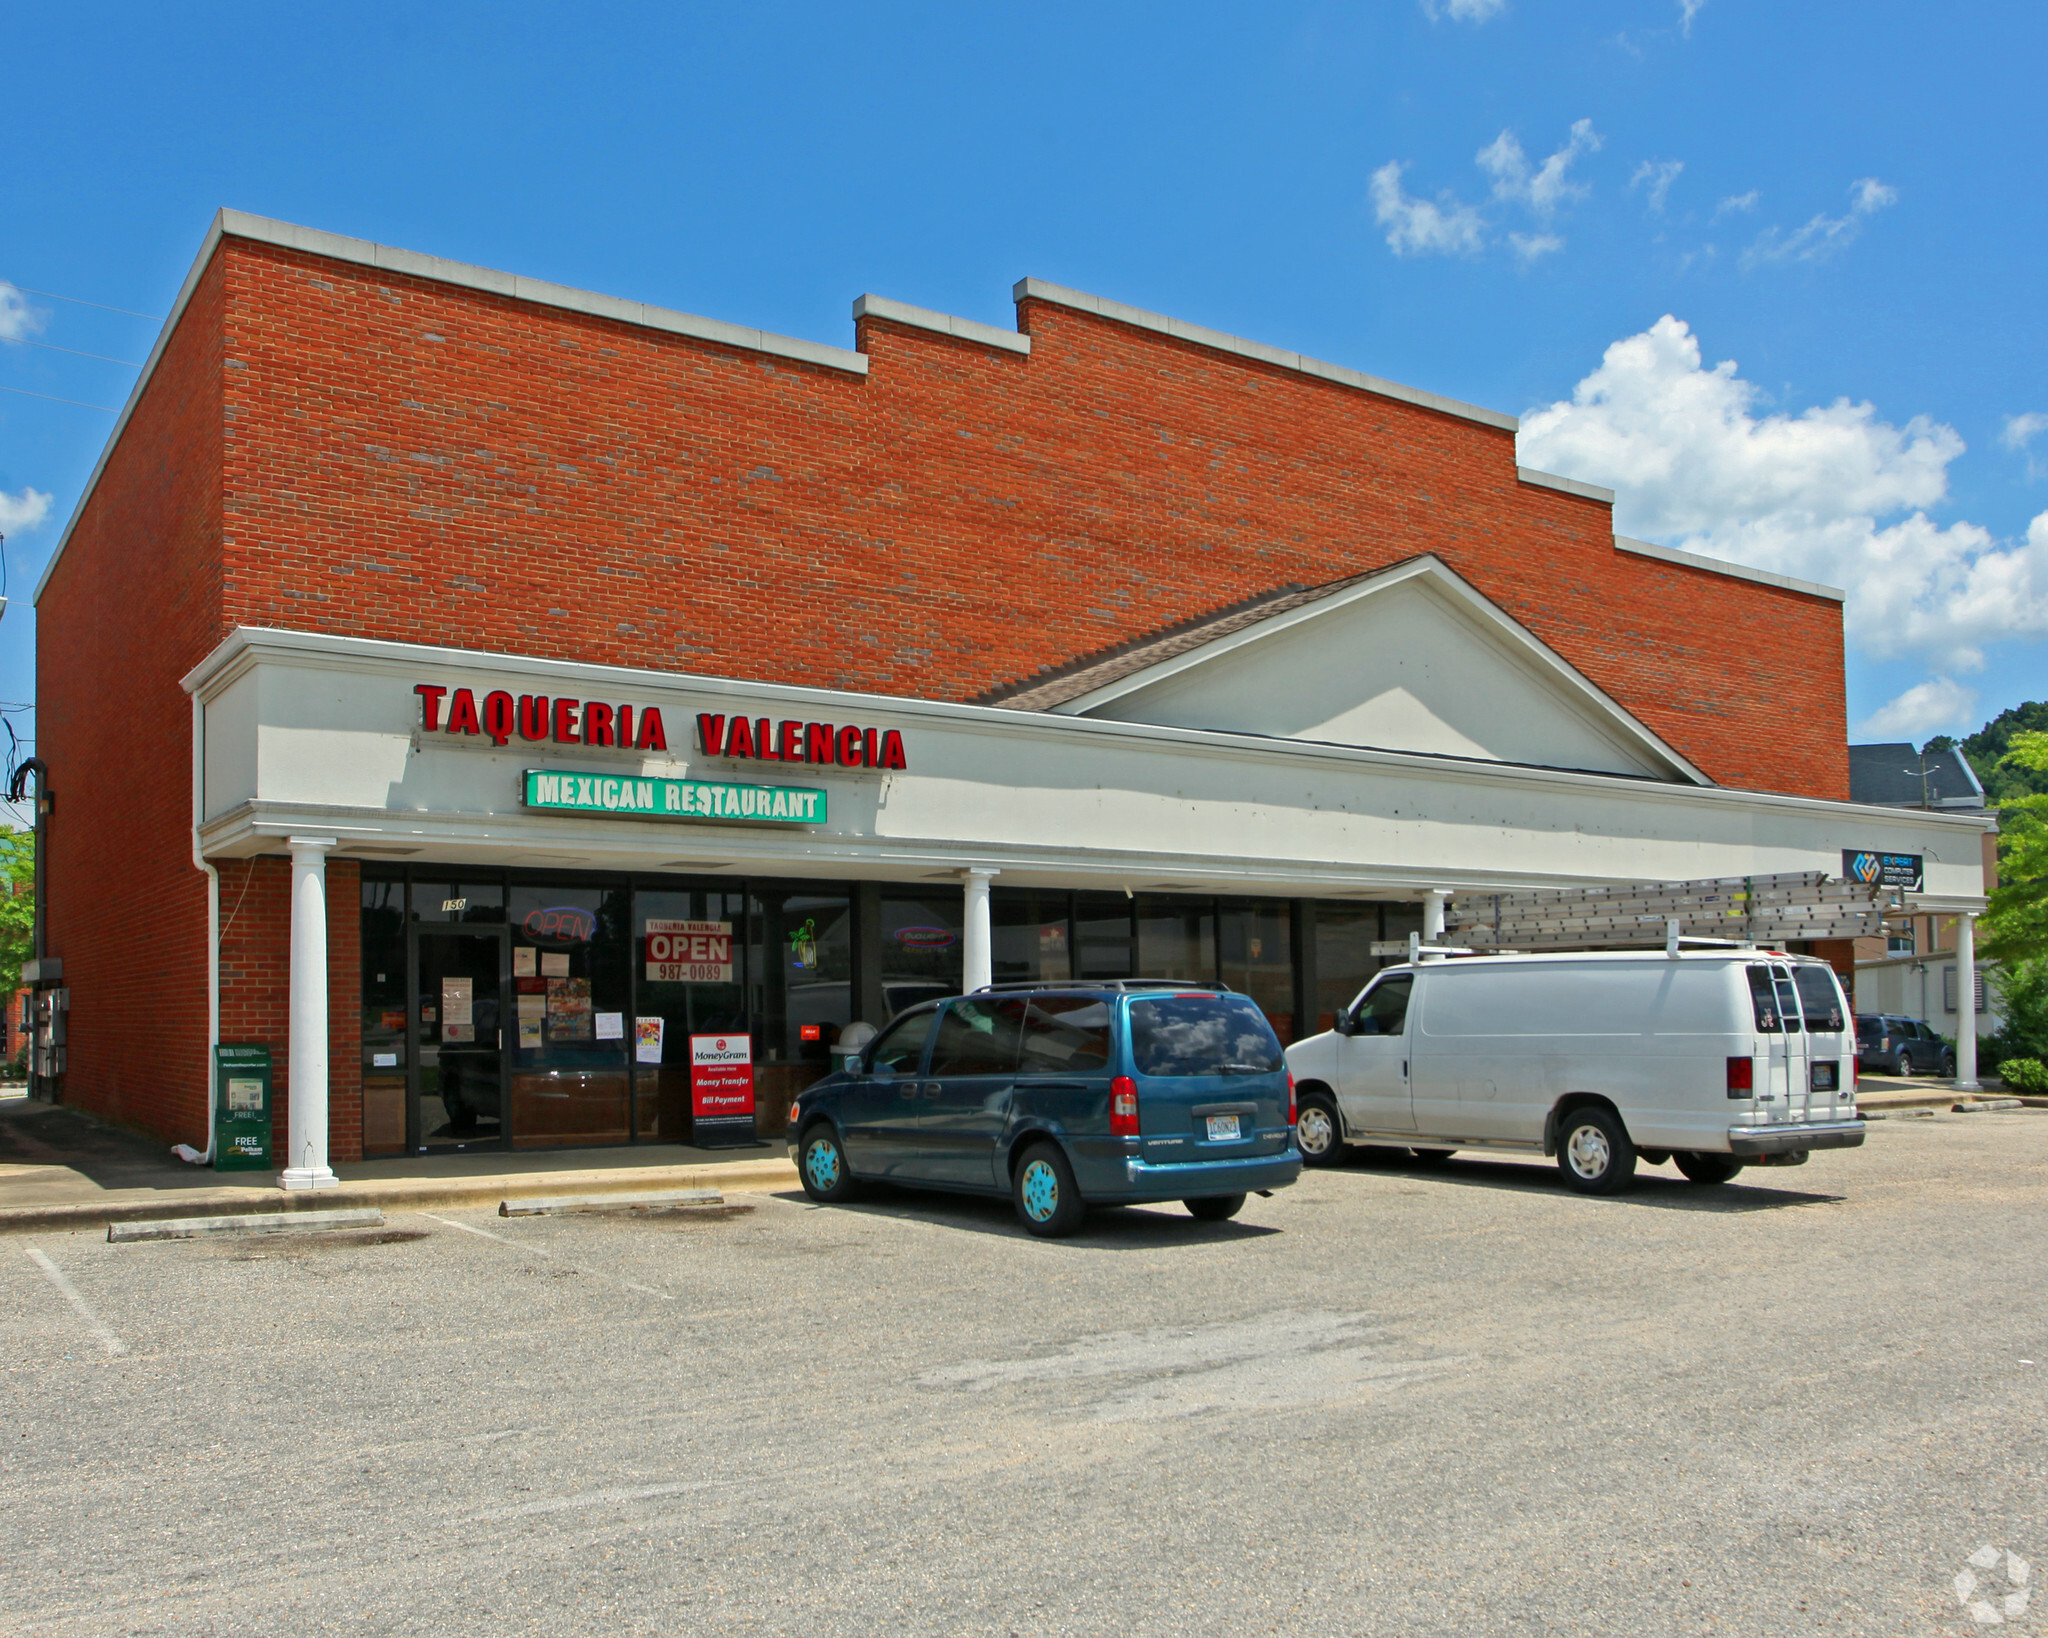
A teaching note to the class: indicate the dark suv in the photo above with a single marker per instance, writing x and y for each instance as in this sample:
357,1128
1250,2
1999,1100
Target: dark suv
1901,1046
1062,1096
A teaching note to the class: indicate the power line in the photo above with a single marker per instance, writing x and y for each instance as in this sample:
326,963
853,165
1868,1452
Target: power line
79,402
23,341
102,306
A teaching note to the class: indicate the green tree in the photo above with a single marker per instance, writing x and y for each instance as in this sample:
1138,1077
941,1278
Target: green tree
2016,920
17,905
2002,777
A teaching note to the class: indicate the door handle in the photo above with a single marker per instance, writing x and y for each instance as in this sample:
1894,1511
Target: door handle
931,1089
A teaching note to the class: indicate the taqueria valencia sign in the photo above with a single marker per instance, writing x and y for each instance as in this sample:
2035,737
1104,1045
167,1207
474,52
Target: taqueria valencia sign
635,798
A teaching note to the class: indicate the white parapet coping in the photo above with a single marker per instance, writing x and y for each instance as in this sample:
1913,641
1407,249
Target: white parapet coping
1567,486
1181,330
924,318
1738,571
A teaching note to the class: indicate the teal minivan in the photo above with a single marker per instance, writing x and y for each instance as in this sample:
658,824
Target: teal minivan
1062,1096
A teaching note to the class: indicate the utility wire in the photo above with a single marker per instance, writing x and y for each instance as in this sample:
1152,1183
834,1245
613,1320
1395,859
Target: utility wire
23,341
81,403
102,306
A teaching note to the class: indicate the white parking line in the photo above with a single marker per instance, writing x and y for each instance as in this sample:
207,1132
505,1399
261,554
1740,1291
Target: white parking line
69,1292
520,1245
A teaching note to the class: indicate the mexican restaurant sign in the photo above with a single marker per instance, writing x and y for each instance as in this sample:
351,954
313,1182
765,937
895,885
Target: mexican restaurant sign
671,798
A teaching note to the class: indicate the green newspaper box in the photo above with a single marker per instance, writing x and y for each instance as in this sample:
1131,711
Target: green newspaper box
241,1108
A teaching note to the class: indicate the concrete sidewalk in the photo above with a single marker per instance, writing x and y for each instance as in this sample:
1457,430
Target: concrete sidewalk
61,1168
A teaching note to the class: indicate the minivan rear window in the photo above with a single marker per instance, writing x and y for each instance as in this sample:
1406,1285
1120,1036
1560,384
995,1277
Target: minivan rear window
1820,998
1202,1035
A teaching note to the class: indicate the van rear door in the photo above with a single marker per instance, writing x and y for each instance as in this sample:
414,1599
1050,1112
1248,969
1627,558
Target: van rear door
1798,1091
1771,1075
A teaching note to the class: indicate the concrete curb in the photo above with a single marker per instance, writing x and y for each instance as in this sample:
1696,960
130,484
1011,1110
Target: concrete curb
407,1194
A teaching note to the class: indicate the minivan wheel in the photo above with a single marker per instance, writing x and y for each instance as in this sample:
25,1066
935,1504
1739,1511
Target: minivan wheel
1318,1132
821,1164
1217,1208
1707,1168
1048,1203
1594,1151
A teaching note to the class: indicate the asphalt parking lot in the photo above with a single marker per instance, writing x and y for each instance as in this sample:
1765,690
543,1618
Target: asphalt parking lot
1389,1400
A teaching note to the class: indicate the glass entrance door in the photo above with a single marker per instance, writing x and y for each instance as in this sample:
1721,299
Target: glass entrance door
459,1050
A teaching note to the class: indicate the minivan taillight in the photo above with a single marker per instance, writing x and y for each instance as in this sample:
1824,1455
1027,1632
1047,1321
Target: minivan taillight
1290,1098
1741,1077
1123,1107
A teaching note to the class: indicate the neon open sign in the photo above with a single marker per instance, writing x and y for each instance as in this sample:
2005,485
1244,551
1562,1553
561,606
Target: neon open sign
563,924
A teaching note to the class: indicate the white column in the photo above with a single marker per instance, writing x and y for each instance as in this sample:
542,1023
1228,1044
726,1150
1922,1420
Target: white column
1433,916
305,1157
1966,1002
977,952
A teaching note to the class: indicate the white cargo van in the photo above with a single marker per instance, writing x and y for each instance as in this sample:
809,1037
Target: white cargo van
1712,1059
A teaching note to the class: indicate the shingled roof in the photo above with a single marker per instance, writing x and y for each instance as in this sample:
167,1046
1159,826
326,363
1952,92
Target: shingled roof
1055,685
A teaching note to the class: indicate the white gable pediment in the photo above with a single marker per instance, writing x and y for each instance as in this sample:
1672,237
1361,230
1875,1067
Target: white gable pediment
1410,660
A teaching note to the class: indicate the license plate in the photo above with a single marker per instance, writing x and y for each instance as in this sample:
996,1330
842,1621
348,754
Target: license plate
1223,1129
1824,1077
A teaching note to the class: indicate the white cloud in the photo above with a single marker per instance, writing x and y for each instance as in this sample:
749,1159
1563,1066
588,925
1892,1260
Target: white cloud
1736,202
18,319
1939,702
1804,494
1549,184
2021,430
1530,246
1687,11
1420,227
2019,435
1658,175
1465,11
1824,234
22,512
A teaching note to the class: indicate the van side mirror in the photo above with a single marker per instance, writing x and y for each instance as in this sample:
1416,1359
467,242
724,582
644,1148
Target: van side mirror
1346,1024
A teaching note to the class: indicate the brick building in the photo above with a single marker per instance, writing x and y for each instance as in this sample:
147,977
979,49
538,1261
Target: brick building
476,689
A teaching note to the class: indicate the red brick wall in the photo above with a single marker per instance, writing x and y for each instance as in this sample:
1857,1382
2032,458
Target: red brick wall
412,460
134,604
330,448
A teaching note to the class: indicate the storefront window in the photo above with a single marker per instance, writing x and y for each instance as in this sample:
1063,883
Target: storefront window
1104,945
800,970
689,960
1345,936
1254,937
572,991
383,942
920,947
1029,934
1176,938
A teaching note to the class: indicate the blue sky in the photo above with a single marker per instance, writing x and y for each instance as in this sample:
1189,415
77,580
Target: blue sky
1495,199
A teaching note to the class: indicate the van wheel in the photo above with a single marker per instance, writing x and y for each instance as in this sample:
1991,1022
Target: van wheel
823,1167
1218,1208
1707,1168
1047,1201
1594,1151
1318,1132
